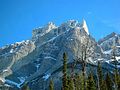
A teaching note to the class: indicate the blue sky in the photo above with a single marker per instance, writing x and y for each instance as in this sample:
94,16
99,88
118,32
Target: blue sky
19,17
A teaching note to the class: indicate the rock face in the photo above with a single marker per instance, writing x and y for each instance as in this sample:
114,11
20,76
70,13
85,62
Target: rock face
35,61
110,40
110,44
11,55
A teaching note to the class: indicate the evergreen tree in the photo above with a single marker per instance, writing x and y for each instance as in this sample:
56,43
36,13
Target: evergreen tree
51,85
104,86
71,84
90,82
108,82
64,79
79,84
116,78
116,73
119,83
100,77
25,87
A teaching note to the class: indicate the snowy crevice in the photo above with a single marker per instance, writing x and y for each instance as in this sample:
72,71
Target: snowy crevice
49,57
21,79
46,76
108,51
37,66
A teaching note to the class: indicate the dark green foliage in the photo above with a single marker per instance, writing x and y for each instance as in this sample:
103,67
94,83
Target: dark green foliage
78,82
51,85
90,82
104,87
116,77
108,82
119,83
82,82
71,84
100,77
25,87
64,79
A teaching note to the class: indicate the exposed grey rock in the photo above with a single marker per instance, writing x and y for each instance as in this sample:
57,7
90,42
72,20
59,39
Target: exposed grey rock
35,61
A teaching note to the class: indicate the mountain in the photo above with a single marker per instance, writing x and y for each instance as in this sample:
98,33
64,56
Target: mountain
37,60
108,44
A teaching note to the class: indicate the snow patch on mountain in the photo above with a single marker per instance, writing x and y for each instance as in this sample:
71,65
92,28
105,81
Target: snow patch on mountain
84,25
118,58
37,66
6,70
46,76
118,46
12,82
21,79
49,57
108,51
12,50
2,79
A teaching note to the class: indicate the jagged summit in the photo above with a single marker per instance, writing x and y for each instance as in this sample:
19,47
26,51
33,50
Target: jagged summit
111,35
73,23
84,25
50,26
41,31
76,24
109,41
60,29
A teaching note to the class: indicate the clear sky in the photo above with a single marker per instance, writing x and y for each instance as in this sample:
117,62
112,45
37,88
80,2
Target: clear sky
19,17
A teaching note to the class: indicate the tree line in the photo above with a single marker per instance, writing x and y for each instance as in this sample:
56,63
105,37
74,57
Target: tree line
84,81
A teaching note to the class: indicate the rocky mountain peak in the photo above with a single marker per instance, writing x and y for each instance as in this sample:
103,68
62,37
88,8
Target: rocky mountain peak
111,35
41,31
37,60
84,25
109,41
51,30
50,26
72,23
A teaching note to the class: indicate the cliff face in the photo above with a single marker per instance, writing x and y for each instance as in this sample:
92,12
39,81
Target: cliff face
40,58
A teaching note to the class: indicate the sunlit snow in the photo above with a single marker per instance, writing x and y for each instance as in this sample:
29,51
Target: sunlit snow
46,76
107,52
22,80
